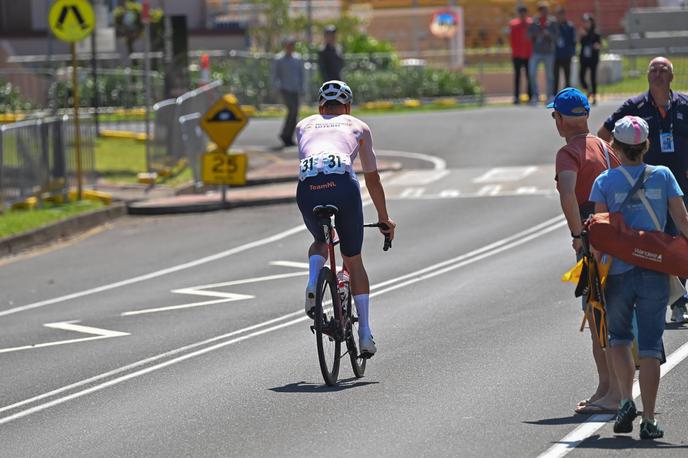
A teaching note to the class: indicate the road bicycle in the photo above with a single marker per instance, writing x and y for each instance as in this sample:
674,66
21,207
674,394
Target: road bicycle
335,318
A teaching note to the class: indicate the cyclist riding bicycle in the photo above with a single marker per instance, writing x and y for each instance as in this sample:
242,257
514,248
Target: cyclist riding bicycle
328,144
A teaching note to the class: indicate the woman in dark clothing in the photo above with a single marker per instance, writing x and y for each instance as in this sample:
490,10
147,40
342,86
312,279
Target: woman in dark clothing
589,56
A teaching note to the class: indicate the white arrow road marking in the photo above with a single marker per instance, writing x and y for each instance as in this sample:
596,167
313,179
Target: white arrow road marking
70,326
224,297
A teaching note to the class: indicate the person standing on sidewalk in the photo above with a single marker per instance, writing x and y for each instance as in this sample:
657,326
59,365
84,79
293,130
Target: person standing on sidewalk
521,50
666,113
543,32
589,56
330,60
288,78
565,49
577,165
631,289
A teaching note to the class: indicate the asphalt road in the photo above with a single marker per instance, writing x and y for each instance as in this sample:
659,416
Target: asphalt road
185,335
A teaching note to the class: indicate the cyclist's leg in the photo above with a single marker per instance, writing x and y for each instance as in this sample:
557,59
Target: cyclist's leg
360,290
317,253
350,228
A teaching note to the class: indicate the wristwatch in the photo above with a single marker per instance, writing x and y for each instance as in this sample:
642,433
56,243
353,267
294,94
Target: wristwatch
575,236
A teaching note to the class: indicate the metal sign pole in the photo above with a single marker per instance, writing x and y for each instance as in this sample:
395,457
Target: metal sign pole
146,58
77,131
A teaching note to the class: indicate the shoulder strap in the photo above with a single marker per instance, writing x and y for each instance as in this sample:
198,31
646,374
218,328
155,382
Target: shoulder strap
638,187
606,153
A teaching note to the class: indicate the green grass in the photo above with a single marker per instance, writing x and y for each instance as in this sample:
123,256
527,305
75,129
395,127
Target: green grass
120,160
18,221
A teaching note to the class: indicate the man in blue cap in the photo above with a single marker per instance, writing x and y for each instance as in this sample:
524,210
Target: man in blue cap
578,163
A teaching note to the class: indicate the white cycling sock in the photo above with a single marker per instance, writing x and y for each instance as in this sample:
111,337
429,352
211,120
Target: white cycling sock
362,302
315,263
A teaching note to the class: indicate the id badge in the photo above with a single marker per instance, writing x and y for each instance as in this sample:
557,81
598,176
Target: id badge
666,142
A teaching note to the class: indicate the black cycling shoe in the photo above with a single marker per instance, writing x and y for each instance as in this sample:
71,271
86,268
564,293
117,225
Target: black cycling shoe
625,416
650,430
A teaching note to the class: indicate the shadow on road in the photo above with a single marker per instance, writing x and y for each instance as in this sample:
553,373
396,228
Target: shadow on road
571,420
624,442
305,387
671,326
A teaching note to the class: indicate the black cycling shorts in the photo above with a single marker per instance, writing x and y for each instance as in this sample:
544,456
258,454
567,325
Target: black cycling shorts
342,191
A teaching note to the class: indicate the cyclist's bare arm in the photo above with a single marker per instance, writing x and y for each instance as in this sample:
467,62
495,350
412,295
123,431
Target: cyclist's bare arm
377,194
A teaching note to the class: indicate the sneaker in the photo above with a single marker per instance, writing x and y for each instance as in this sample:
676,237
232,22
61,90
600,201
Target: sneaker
310,302
679,314
625,416
649,429
366,346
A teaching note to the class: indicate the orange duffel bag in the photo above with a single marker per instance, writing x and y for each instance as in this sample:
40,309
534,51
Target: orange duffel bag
652,250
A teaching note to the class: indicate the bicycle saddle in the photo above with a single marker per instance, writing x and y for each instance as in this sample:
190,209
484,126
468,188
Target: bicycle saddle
325,211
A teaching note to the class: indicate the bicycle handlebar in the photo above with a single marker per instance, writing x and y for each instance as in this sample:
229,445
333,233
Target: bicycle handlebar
388,242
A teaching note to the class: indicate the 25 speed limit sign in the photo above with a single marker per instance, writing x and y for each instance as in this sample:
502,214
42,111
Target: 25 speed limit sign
218,167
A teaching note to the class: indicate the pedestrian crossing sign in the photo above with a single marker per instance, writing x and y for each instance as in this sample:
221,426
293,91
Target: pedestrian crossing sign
223,121
71,20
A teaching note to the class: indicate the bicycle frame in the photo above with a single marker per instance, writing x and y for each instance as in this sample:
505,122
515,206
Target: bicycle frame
337,305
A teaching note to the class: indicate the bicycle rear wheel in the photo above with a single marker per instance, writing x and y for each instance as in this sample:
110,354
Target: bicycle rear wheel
329,347
358,364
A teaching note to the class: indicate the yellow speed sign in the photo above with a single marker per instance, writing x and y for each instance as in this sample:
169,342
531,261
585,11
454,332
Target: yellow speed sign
218,167
71,20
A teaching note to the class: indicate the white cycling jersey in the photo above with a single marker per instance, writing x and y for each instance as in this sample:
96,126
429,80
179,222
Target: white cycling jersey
330,143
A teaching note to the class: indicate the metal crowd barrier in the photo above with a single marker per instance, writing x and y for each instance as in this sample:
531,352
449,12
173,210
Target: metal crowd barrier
167,143
38,159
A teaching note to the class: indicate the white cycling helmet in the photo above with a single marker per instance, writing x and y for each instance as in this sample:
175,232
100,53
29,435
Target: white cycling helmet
335,90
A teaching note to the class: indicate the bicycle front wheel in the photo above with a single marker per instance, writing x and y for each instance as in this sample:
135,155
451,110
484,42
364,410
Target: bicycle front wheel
329,347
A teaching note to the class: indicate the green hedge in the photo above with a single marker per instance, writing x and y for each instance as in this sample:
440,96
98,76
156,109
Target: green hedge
11,100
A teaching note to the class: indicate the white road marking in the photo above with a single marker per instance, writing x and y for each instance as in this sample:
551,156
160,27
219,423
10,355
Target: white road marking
437,162
70,326
594,423
412,193
159,273
505,174
527,190
297,265
412,277
416,177
450,193
489,190
226,297
457,194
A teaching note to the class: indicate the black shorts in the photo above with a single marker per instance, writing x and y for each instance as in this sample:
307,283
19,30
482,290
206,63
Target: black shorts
342,191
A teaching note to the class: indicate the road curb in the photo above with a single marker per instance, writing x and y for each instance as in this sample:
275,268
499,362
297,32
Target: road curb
142,209
61,229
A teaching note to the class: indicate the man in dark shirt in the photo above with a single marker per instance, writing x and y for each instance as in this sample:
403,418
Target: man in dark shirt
666,112
565,49
330,60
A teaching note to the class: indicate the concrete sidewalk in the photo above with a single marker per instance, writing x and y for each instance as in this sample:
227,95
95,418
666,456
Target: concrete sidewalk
271,178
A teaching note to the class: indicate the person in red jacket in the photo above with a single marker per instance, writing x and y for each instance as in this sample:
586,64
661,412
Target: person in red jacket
521,49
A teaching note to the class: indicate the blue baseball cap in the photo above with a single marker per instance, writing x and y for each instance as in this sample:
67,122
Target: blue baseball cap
570,102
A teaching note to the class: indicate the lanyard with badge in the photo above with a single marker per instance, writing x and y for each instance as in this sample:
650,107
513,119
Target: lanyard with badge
666,138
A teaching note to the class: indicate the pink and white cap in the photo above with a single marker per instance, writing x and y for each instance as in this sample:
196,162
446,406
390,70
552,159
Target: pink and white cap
631,130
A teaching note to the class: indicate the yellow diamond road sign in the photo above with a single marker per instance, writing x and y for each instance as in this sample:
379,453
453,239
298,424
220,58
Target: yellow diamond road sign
223,121
71,20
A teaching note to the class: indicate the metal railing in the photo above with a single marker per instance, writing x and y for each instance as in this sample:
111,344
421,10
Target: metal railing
38,159
167,143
